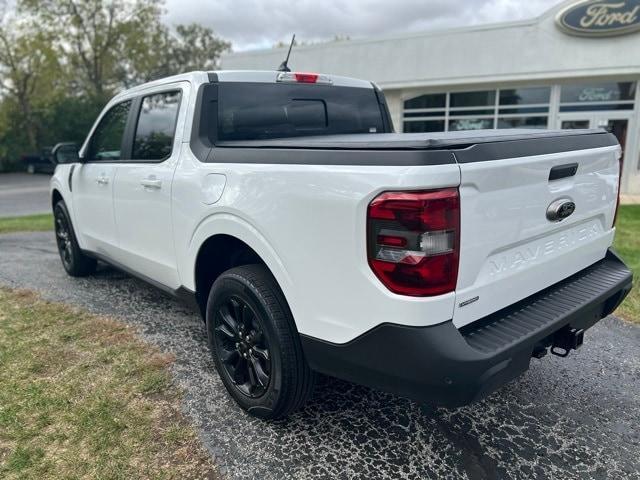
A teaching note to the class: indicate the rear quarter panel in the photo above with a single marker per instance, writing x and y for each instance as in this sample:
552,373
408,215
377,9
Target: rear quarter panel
308,223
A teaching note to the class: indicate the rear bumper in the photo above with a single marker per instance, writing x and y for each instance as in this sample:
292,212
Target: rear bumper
446,366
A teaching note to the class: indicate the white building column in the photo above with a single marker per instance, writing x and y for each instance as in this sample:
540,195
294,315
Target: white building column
394,101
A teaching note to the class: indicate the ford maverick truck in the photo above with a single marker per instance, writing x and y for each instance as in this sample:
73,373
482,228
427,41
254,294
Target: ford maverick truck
312,238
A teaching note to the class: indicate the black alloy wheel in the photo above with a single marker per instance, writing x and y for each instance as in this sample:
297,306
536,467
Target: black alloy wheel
243,347
76,262
63,238
255,345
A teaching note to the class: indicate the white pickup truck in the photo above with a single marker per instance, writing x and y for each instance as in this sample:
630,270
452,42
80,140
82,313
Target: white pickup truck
314,239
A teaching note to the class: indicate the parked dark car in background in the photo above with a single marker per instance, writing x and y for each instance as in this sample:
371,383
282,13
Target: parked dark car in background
44,162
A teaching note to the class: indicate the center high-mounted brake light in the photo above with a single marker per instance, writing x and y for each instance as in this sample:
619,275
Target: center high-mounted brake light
414,241
298,77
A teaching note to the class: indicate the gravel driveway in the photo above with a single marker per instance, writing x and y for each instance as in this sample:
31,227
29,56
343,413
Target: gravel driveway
571,418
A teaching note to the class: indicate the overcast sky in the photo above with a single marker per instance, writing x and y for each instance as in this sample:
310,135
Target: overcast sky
256,24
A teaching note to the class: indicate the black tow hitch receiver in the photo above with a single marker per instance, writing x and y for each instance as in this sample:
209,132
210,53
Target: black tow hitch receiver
565,340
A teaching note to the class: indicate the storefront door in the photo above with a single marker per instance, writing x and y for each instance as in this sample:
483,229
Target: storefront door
616,123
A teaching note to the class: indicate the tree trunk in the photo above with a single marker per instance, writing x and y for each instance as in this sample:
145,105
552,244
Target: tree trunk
29,125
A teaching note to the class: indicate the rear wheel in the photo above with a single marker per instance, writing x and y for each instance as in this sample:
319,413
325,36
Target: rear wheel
74,261
255,345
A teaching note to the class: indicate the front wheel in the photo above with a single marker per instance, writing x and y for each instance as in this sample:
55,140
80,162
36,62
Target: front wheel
255,345
74,261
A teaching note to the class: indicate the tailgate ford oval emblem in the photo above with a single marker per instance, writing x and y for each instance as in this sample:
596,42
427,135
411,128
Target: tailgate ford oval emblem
560,209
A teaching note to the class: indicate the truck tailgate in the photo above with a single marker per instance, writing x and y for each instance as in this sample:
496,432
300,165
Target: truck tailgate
509,248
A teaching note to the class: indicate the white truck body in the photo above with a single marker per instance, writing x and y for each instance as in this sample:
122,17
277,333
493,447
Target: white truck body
306,217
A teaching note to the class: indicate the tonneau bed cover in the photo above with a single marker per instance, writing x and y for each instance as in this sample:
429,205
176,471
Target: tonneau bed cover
428,141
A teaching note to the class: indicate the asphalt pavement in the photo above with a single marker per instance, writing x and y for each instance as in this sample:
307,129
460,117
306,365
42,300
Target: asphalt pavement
24,194
572,418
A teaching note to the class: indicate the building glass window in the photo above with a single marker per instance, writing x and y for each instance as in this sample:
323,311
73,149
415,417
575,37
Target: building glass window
470,124
522,110
597,107
524,107
424,126
523,122
521,107
437,100
425,113
473,110
597,96
601,92
421,113
473,99
525,96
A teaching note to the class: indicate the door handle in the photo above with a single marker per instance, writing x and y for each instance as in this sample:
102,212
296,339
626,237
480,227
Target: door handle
151,183
102,180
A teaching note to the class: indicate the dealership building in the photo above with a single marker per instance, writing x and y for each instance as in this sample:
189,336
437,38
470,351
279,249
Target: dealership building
576,66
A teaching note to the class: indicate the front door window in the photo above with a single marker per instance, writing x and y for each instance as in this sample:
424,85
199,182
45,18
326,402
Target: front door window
106,142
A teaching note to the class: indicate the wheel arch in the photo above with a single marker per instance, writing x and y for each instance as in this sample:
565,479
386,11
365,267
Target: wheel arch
56,196
216,255
225,242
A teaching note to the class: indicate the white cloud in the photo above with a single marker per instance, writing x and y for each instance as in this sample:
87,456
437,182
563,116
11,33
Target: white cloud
251,24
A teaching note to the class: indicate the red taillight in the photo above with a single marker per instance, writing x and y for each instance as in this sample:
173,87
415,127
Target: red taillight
414,241
306,77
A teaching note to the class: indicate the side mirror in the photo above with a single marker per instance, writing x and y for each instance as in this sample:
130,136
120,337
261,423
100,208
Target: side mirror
65,153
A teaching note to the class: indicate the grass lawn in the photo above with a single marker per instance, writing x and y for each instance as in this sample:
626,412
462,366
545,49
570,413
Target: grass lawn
82,397
627,244
30,223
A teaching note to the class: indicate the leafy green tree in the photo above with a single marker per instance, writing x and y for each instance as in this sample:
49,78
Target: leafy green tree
164,52
26,59
194,47
92,35
116,43
61,60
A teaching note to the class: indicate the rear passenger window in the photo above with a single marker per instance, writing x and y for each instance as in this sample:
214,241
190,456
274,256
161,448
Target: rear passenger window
156,126
106,141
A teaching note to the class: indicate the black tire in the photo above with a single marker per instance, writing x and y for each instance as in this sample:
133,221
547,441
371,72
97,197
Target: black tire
251,295
74,261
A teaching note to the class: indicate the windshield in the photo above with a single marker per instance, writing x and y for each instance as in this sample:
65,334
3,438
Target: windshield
258,111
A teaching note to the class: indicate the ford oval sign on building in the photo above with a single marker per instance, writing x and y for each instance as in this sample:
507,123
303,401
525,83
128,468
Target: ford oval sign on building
601,18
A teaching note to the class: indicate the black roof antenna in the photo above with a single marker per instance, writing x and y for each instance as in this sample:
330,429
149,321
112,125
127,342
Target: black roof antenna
284,67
